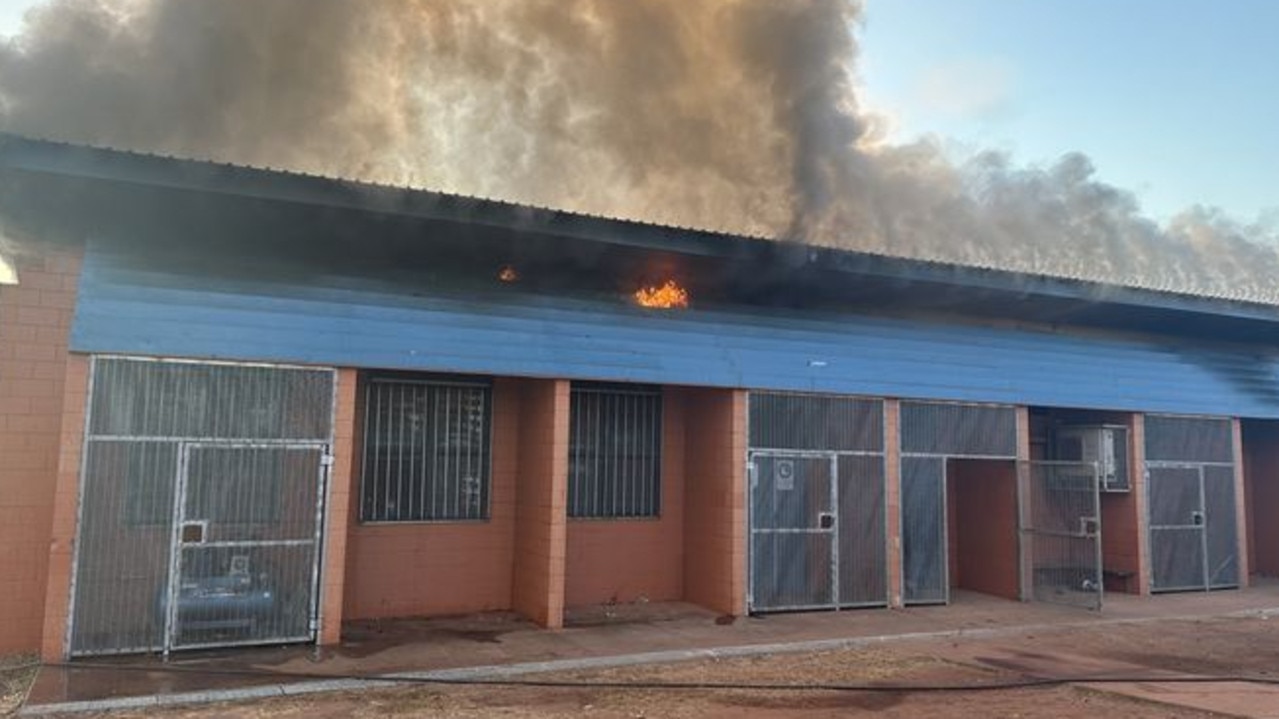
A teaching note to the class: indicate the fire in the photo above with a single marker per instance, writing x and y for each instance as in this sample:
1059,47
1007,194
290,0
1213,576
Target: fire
508,274
668,296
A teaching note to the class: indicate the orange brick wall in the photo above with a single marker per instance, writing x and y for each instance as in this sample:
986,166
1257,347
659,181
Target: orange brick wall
984,527
1261,469
397,570
541,495
337,509
35,319
623,560
715,500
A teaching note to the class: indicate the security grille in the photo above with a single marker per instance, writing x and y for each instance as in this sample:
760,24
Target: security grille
816,502
816,422
201,498
923,488
1189,439
1191,490
615,451
958,430
426,450
1062,533
931,433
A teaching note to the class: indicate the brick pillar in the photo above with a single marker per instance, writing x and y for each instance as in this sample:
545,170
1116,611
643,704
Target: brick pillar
893,500
66,506
337,517
1241,505
715,531
541,498
1141,494
35,319
1025,549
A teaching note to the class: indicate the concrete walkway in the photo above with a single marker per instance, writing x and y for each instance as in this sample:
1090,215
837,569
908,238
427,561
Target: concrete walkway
495,645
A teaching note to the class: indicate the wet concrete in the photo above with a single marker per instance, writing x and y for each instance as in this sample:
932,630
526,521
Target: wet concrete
495,639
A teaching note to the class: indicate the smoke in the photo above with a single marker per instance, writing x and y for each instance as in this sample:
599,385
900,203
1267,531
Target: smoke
736,115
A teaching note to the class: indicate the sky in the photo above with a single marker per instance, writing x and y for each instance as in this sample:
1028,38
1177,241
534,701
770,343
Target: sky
1176,101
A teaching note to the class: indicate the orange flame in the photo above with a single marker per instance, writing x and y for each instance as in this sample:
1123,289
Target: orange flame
668,296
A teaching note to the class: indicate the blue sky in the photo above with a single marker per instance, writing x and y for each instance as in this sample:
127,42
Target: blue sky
1175,100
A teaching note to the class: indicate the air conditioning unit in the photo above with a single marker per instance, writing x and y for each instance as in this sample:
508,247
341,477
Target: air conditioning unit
1105,445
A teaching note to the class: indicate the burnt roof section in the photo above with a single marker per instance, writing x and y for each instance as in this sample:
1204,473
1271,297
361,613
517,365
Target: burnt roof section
760,270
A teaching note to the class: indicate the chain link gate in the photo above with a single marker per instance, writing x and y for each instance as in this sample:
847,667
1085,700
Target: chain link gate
817,503
201,505
1062,532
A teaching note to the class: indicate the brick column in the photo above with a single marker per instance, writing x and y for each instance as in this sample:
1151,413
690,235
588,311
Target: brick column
1026,548
1141,494
337,512
541,498
35,319
1241,505
66,507
715,531
893,501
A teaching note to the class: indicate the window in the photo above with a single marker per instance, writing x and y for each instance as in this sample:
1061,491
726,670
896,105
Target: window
426,450
615,451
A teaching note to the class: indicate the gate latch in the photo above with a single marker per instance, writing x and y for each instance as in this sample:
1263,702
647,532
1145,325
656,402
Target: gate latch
826,520
1197,518
1088,526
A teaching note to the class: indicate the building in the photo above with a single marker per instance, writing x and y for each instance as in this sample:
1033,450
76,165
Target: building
239,406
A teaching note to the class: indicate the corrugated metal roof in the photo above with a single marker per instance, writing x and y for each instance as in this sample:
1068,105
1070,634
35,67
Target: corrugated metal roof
208,309
204,175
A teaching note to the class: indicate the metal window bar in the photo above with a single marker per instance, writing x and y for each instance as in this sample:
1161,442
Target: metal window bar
615,451
427,447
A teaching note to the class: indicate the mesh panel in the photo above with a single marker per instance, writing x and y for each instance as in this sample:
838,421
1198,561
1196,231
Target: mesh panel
1188,439
790,492
791,570
924,529
1174,496
1176,558
123,546
169,399
862,561
1221,527
958,430
816,422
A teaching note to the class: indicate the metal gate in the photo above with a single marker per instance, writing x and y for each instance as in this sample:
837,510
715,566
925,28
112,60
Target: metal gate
201,504
817,503
1190,485
246,540
1192,527
1061,532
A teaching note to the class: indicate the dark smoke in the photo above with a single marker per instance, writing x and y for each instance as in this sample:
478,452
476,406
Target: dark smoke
738,115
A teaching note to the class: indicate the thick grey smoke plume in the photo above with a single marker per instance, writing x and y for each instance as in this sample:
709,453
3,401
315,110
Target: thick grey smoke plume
739,115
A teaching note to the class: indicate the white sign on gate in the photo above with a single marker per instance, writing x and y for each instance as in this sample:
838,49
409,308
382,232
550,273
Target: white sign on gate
784,475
